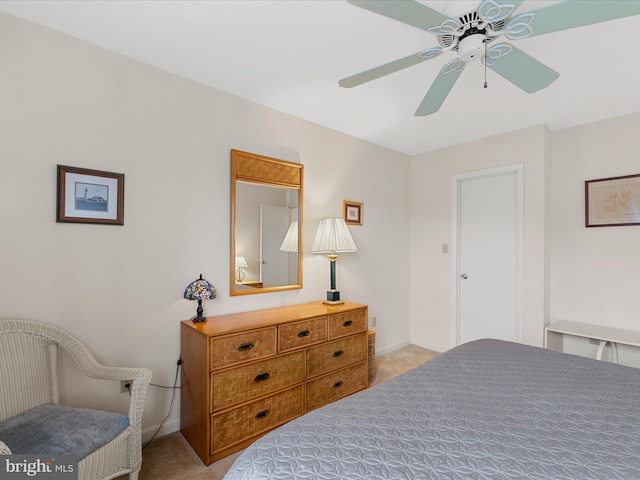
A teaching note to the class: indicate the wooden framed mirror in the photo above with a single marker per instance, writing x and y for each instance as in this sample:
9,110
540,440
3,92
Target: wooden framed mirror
266,224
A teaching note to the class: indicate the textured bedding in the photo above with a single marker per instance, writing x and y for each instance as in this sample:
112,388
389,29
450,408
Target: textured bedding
487,409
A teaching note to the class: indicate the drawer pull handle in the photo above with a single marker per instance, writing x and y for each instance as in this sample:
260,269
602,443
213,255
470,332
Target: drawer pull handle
262,414
338,353
348,323
245,346
261,377
304,333
338,384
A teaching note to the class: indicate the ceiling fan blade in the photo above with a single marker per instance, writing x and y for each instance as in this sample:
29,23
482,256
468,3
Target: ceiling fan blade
405,11
391,67
496,10
440,88
570,14
522,70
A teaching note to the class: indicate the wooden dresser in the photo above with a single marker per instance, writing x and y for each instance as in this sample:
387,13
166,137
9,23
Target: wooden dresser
244,374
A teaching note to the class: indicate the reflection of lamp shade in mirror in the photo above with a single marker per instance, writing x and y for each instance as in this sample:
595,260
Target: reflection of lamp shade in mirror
290,242
241,263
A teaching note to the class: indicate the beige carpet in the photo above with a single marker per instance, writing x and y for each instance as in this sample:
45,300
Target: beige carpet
171,457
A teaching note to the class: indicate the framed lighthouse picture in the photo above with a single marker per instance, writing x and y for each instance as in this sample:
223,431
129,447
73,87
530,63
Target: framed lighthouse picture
90,196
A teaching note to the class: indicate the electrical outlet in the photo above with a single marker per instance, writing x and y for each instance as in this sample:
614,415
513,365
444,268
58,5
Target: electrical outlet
374,322
125,386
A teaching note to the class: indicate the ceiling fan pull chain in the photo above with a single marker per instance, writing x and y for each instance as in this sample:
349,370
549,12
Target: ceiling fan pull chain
485,62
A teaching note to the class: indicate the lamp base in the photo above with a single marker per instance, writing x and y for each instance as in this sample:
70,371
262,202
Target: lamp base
333,298
198,317
333,302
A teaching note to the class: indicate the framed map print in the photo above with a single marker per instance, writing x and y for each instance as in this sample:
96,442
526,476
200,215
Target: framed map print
612,201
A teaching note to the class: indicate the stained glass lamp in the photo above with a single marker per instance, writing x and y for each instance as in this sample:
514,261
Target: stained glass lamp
199,290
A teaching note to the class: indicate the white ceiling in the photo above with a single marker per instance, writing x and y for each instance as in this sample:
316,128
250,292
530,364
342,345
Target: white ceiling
290,54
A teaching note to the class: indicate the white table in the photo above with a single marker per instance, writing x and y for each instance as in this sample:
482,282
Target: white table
555,333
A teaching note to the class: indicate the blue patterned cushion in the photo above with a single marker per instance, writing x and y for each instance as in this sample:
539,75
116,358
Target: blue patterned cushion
61,430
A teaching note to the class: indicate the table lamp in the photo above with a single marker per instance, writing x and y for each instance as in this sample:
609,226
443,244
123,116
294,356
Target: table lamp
333,237
241,263
199,290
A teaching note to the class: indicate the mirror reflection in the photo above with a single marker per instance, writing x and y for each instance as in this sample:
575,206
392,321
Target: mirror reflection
265,214
266,224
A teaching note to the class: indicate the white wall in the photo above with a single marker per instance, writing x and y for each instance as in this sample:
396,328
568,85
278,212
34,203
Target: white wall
594,271
119,288
431,227
570,272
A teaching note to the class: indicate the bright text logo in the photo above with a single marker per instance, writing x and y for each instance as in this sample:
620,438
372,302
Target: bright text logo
60,467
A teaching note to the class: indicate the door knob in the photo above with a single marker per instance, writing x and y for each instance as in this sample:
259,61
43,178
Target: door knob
464,276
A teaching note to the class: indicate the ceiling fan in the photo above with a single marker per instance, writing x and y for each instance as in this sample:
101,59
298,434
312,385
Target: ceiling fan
471,32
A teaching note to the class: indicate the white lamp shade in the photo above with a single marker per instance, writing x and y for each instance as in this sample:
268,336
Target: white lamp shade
333,236
241,262
290,242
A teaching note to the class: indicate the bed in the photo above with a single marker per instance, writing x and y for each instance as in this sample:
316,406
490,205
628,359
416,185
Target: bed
487,409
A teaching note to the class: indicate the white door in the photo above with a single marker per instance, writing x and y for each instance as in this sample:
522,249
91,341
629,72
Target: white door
487,256
274,267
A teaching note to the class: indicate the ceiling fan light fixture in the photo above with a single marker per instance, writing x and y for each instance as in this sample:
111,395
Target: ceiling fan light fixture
471,26
471,48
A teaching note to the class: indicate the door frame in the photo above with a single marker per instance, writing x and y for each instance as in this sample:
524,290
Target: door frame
456,182
281,266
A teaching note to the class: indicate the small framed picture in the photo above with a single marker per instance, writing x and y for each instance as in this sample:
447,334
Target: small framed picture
352,212
612,201
90,196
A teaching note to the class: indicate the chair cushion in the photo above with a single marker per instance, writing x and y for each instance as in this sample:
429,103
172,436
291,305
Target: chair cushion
61,430
4,450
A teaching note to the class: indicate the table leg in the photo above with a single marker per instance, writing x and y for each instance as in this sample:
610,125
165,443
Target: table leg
603,343
614,350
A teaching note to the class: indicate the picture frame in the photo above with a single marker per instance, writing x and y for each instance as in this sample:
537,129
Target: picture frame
612,202
352,212
90,196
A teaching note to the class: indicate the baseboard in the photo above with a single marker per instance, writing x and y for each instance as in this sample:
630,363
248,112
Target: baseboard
391,348
167,428
398,346
435,348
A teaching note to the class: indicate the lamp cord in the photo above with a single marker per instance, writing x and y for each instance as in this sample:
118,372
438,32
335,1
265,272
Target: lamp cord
173,398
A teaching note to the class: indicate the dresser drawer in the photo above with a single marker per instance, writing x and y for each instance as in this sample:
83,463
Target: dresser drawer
336,385
241,423
347,323
337,354
300,334
245,382
241,347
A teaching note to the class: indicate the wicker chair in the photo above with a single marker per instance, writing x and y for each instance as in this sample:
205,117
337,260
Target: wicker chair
28,376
